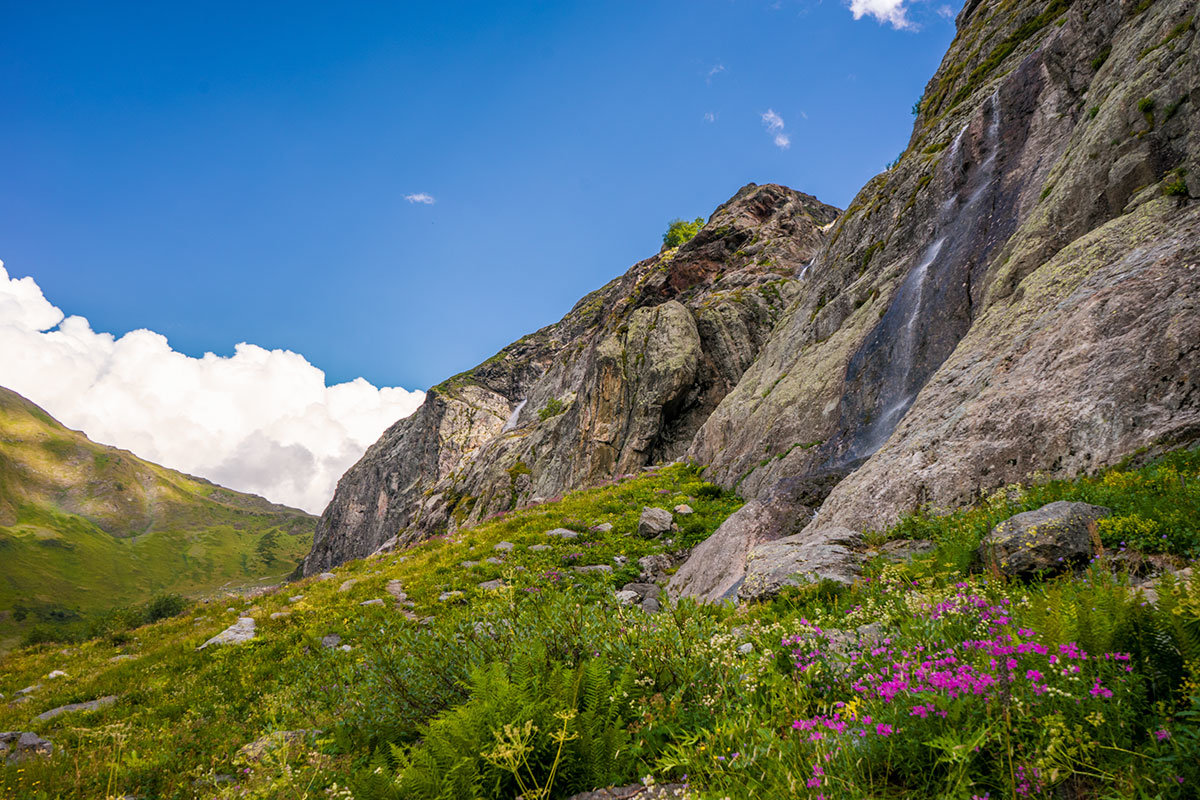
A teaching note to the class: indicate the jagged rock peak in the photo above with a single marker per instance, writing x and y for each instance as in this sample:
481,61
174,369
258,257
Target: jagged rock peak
623,380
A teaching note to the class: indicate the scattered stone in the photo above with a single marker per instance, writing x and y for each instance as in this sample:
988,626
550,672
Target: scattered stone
538,548
273,741
1043,542
503,547
620,561
347,585
605,568
899,550
654,522
636,791
231,610
396,590
237,633
810,557
746,649
58,673
326,576
295,598
603,527
450,597
468,564
122,657
330,641
653,568
563,533
376,602
684,509
280,614
90,705
28,689
643,590
491,586
345,648
494,561
651,605
627,598
17,746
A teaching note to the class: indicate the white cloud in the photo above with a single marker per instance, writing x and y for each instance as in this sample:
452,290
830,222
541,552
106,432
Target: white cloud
710,116
716,70
420,197
891,12
260,421
774,125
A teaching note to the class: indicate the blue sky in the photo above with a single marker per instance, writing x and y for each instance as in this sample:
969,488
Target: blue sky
224,173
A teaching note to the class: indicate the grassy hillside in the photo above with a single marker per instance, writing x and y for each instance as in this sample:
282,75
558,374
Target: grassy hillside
962,685
85,528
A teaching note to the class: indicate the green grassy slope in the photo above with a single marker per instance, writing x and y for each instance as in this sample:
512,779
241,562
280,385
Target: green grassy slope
756,702
84,527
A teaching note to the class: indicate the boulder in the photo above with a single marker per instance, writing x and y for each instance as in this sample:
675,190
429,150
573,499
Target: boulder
17,746
654,568
636,791
503,547
90,705
330,641
654,522
602,568
627,598
715,569
491,586
1043,542
810,557
537,548
683,509
273,741
237,633
603,527
375,602
899,550
563,533
347,585
450,597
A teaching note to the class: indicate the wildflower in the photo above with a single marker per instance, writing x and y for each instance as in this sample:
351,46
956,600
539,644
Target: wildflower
1162,734
883,730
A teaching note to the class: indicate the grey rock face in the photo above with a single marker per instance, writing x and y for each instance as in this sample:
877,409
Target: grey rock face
808,557
634,368
715,569
654,522
90,705
1015,295
1045,541
238,633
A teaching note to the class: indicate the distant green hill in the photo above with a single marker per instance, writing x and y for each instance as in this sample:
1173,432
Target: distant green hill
85,527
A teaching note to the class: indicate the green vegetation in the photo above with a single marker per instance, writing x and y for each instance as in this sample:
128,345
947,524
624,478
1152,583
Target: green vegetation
1070,687
553,408
680,231
86,529
1176,183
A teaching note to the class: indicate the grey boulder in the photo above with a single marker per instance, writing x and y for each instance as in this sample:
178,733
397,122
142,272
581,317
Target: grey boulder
810,557
1042,542
654,522
237,633
16,746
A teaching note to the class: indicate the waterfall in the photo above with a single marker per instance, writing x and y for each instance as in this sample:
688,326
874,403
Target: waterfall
512,418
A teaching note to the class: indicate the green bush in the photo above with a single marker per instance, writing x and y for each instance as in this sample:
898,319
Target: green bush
553,408
164,606
681,231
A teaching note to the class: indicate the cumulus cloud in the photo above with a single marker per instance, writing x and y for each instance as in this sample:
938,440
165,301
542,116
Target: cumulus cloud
420,197
260,421
774,126
891,12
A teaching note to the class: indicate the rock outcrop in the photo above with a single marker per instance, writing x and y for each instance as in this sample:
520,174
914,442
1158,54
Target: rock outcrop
1045,541
622,381
1018,294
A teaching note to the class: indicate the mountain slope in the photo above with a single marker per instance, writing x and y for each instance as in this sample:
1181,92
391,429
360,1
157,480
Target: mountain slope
85,527
1018,294
623,380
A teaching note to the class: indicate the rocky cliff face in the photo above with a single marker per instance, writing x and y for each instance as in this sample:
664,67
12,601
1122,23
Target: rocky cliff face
623,380
1018,294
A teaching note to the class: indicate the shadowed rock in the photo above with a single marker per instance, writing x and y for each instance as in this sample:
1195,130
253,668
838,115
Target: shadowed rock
654,522
1046,541
808,557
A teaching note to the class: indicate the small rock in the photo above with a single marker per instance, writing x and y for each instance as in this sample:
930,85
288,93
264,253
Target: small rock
122,657
603,527
450,597
58,673
563,533
595,568
90,705
684,509
273,741
347,585
237,633
494,561
643,590
654,568
326,576
280,614
503,547
19,746
651,605
620,561
29,689
538,548
330,641
295,598
746,649
345,648
654,522
468,564
627,598
491,586
231,610
376,602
